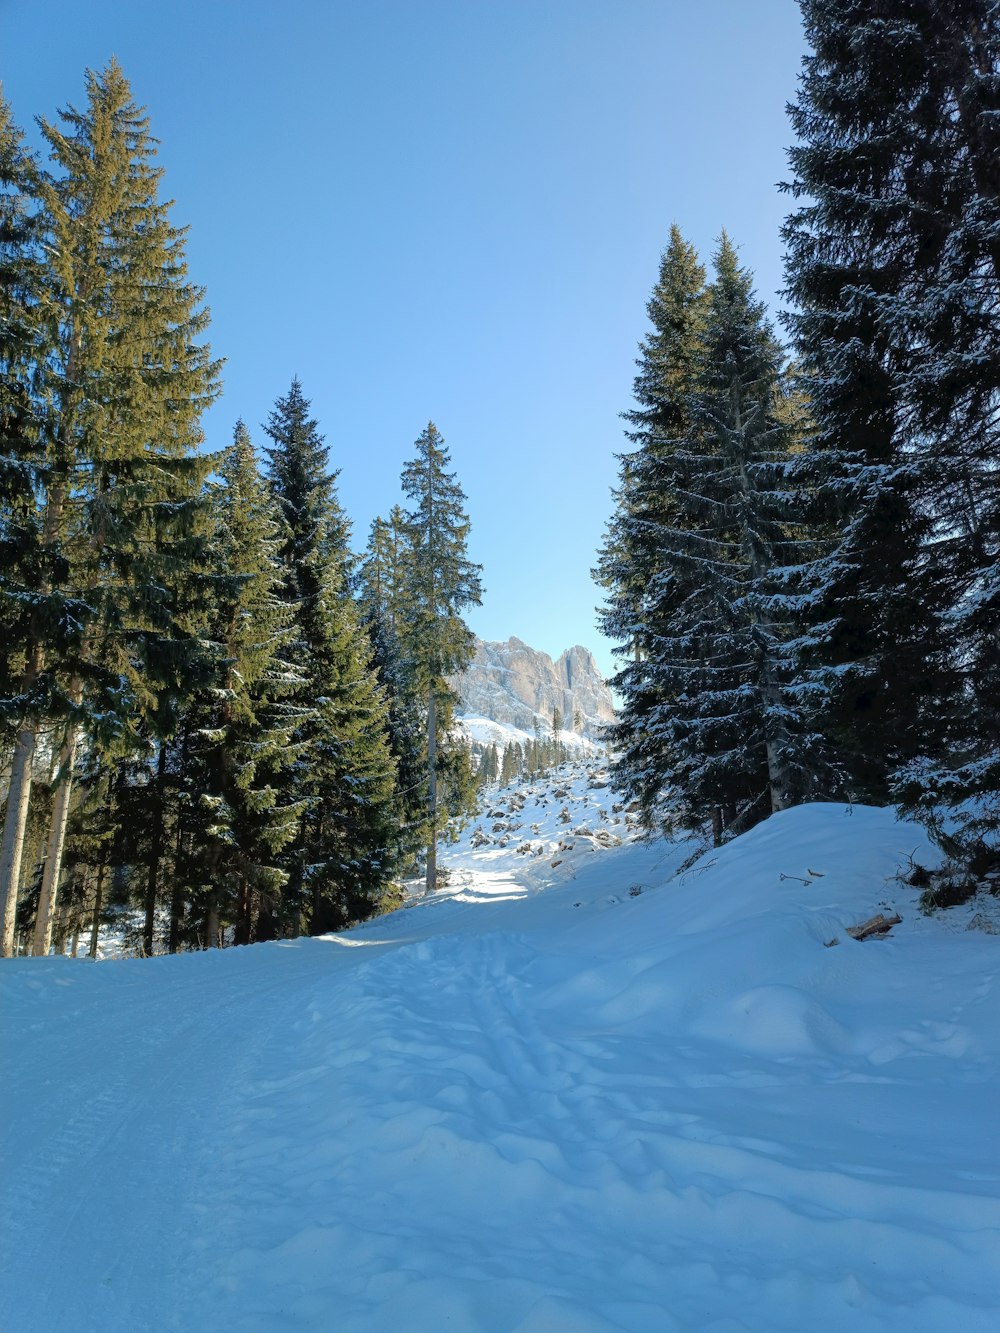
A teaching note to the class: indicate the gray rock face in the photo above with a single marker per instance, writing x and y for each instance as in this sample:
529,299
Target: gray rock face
512,683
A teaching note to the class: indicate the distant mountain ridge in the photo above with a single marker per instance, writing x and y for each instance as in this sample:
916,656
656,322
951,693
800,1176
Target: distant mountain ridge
514,684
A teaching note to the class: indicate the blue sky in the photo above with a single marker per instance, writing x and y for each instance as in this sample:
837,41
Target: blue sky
447,210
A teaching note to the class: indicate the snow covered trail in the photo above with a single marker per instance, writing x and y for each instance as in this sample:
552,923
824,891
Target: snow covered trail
537,1102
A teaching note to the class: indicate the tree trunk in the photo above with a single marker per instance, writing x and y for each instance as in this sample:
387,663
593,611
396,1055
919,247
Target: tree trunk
12,847
15,823
431,881
243,932
98,903
716,826
212,925
178,891
155,852
176,912
57,841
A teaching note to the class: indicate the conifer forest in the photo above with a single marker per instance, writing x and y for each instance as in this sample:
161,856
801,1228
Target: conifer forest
224,719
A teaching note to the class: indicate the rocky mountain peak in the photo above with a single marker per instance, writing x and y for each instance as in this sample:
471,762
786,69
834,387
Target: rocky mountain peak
515,684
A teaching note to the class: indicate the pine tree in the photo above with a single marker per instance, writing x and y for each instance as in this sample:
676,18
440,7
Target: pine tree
382,589
557,745
721,727
125,385
894,263
667,363
347,848
237,815
489,767
442,582
630,563
509,767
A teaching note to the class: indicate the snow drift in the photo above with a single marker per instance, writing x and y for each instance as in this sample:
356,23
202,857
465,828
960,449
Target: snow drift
588,1095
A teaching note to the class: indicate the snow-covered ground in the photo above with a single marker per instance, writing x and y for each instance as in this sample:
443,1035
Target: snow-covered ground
586,1096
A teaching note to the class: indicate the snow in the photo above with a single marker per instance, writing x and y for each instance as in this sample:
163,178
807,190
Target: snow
604,1094
485,731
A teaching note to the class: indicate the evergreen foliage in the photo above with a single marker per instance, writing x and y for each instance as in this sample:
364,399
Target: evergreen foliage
441,581
709,714
894,264
116,472
382,588
237,815
630,559
346,850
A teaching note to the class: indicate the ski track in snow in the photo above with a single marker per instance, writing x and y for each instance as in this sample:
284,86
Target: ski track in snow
535,1101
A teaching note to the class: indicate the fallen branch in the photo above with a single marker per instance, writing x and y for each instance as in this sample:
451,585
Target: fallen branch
874,927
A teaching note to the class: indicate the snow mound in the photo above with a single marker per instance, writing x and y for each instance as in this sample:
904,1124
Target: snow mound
592,1095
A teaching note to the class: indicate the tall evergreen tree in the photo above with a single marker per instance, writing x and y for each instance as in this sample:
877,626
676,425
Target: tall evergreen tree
668,361
240,729
120,485
630,562
894,265
442,582
719,726
382,584
343,858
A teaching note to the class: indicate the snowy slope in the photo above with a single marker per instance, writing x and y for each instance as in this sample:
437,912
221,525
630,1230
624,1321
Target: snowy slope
577,1096
485,731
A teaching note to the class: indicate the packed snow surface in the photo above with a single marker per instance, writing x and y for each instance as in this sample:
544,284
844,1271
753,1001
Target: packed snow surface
574,1090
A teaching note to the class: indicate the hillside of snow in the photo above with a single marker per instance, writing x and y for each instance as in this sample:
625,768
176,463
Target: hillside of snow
485,731
573,1090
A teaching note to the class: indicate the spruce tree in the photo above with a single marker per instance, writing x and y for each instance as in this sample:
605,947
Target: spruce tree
630,564
720,727
557,745
894,265
237,815
666,366
343,859
441,582
125,384
382,583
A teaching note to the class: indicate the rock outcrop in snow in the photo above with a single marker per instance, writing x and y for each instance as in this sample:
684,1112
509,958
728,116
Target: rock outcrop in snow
515,685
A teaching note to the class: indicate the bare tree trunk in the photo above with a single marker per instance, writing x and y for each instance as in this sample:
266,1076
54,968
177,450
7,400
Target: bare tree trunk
12,848
431,881
243,933
57,841
212,925
60,930
176,898
155,852
716,826
98,904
